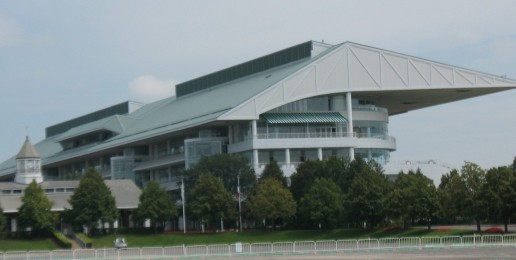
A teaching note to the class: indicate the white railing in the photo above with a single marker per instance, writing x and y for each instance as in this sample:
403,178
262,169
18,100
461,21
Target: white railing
280,248
322,135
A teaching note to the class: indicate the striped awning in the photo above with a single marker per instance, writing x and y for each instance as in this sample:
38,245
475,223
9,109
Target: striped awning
316,117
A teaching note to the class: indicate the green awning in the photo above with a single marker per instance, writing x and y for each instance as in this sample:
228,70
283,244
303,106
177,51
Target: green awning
316,117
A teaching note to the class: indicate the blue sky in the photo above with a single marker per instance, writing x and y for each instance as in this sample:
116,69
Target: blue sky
62,59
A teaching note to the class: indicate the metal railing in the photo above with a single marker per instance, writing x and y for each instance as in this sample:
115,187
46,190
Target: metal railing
276,248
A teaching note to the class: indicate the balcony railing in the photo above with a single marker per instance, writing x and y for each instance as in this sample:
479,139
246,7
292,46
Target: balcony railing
322,135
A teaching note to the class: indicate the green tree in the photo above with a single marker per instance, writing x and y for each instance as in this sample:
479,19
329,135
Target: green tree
272,170
271,201
92,202
226,167
3,220
475,203
501,192
413,196
452,192
35,212
365,197
155,205
322,203
210,201
305,175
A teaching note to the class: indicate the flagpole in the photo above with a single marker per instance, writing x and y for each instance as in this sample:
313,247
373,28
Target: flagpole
239,202
183,200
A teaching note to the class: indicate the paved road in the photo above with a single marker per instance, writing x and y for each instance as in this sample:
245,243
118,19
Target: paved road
449,253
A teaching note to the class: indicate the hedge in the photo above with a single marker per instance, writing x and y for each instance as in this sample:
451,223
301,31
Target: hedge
85,240
61,239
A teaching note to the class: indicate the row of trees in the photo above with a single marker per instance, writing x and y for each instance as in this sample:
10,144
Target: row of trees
325,194
342,193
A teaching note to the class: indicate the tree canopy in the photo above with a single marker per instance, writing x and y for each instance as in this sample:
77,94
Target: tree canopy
323,203
272,170
226,167
271,201
35,212
3,220
92,202
210,200
155,205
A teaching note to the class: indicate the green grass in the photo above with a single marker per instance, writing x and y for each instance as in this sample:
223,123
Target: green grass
24,244
149,240
157,240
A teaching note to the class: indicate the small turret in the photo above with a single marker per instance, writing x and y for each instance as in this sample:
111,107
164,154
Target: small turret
28,164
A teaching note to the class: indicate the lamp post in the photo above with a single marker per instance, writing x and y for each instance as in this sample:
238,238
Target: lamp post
183,200
239,202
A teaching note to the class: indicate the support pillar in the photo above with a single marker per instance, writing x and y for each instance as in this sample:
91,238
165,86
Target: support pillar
319,154
254,129
287,157
349,109
255,159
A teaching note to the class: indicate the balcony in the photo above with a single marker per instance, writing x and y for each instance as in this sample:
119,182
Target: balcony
314,140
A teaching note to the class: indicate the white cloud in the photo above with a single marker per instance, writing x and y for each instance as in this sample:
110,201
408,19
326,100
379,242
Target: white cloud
148,89
9,31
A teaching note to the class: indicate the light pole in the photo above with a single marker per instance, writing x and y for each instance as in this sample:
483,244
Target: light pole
239,202
183,200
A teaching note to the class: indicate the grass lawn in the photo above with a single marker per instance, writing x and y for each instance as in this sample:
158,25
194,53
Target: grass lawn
152,240
24,244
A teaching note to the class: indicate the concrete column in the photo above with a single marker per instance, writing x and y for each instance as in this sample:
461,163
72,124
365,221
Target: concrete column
349,110
319,154
368,129
369,154
287,157
350,123
230,134
255,159
255,129
13,225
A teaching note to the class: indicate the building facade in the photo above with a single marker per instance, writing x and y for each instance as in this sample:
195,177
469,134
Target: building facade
311,101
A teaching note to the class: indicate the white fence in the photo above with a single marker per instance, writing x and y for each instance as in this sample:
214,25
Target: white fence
276,248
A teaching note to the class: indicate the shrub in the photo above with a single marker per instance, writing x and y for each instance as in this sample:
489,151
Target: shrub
85,240
494,230
61,239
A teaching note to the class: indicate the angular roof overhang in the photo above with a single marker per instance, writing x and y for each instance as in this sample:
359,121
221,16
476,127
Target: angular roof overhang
399,82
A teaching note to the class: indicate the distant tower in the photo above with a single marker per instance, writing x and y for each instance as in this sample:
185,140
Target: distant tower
28,165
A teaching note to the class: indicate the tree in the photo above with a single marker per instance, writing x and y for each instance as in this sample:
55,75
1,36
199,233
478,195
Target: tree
322,203
501,190
35,212
226,167
92,202
413,196
452,192
271,201
272,170
210,200
156,205
365,197
3,220
475,203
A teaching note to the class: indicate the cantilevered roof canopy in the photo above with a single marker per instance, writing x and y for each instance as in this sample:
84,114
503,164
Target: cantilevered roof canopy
398,82
288,118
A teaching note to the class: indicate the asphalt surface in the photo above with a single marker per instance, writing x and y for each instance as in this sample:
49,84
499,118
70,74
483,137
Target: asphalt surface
448,253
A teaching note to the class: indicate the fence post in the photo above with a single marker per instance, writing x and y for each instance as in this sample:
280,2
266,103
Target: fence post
315,246
336,245
294,247
420,243
184,249
162,251
474,240
502,238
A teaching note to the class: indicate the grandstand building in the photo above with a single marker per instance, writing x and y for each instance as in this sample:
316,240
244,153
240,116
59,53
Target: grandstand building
307,102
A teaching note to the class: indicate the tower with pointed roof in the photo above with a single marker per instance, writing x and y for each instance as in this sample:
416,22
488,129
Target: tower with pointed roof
28,164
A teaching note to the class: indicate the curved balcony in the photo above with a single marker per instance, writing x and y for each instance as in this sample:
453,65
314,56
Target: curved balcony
314,140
